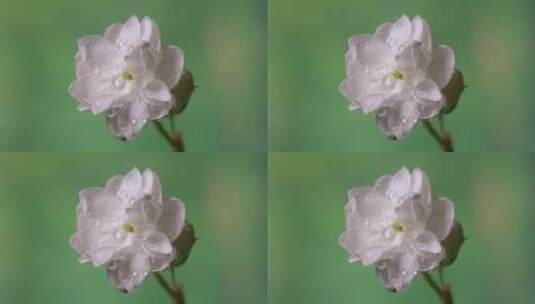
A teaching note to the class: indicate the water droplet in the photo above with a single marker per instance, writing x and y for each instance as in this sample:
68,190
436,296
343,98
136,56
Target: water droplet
145,273
134,273
404,273
144,121
134,121
366,223
414,272
404,120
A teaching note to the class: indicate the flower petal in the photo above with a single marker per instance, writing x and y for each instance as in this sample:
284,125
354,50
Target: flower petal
369,206
151,184
99,203
421,32
397,274
126,122
112,32
400,35
426,243
97,93
398,120
171,65
173,218
128,274
442,65
157,91
365,93
383,31
368,54
420,185
441,218
428,90
150,32
158,243
130,35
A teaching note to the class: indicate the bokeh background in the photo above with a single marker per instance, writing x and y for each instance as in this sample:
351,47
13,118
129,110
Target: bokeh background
224,46
493,43
225,201
493,196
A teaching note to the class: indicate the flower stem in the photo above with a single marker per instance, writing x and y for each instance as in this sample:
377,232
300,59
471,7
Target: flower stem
444,291
443,140
175,292
174,140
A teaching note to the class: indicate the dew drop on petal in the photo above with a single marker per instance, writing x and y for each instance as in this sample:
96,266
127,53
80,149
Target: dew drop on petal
134,273
145,273
404,273
134,121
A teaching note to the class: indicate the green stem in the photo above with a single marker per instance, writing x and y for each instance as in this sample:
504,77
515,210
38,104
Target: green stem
443,140
444,291
176,293
175,141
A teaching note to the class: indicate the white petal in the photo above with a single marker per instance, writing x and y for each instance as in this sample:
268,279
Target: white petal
173,218
113,185
396,187
421,32
369,55
130,35
397,274
400,35
370,205
383,31
150,32
426,243
421,185
98,57
94,245
400,119
99,203
428,90
158,243
126,122
442,65
157,91
112,31
132,184
88,41
97,93
441,218
127,275
151,184
157,110
365,93
171,65
363,244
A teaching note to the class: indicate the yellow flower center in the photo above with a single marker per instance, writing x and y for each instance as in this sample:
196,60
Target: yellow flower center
127,76
128,228
397,75
397,227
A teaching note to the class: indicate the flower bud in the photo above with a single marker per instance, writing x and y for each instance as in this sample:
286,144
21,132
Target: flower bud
453,91
183,244
182,92
452,243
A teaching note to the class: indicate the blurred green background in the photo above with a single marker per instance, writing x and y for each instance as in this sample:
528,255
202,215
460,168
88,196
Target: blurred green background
493,43
493,196
224,47
225,201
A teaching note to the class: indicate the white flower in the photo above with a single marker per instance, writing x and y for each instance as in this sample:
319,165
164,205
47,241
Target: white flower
397,72
128,226
127,74
398,226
